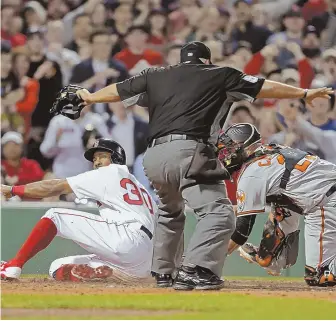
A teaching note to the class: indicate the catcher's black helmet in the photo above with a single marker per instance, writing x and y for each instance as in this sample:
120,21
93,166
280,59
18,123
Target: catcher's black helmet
237,144
118,155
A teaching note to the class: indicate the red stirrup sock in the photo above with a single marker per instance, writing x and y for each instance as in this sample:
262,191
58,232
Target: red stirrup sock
40,237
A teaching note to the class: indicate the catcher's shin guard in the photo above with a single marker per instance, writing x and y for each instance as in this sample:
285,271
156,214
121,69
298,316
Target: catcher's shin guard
322,278
271,242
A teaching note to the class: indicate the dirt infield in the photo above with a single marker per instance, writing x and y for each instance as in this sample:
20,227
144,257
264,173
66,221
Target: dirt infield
256,287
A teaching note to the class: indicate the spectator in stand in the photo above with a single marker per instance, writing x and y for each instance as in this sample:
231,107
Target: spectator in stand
99,17
173,54
63,143
34,16
294,25
311,43
82,29
128,130
90,119
243,29
66,58
209,27
271,52
100,70
121,21
329,67
57,9
49,75
18,170
242,114
324,140
11,93
8,30
137,56
26,106
157,21
321,113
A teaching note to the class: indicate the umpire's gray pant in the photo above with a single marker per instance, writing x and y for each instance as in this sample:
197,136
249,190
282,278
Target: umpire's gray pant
166,165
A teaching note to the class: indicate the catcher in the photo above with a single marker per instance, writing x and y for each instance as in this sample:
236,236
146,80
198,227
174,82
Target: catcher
119,238
293,183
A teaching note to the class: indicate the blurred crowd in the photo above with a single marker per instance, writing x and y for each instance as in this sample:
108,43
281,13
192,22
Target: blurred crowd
48,44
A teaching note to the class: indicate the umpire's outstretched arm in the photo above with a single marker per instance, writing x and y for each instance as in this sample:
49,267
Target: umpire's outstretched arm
270,89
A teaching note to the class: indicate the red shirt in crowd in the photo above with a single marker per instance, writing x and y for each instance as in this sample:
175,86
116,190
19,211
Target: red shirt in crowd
29,171
130,59
16,40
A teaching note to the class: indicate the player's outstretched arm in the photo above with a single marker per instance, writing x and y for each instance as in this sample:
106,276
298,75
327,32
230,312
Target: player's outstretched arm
38,190
273,89
107,94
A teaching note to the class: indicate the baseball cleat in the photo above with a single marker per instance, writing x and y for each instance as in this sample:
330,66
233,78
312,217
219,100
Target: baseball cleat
9,273
249,252
86,273
163,280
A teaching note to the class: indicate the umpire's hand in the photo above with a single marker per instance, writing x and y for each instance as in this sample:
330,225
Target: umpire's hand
85,95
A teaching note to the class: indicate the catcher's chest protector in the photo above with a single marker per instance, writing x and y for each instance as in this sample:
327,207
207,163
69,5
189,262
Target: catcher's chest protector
291,157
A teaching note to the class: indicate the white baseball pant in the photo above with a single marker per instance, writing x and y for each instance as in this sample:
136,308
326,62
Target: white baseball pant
320,236
122,246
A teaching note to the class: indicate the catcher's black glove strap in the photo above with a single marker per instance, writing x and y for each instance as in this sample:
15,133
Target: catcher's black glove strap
67,102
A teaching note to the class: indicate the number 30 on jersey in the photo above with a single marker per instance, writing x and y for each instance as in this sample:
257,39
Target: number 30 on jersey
136,196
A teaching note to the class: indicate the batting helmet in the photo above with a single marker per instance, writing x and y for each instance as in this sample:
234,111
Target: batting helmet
118,155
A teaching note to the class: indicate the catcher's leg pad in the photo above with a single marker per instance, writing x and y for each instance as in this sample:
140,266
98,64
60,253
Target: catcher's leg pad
271,242
322,278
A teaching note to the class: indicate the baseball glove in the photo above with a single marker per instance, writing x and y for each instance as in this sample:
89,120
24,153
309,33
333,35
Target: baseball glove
67,103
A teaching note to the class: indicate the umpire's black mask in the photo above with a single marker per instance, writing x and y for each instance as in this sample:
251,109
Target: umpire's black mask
195,52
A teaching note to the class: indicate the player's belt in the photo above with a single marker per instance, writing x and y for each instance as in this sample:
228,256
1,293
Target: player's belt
331,191
169,138
147,231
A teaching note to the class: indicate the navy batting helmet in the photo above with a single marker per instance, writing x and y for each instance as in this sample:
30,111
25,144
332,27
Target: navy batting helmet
118,155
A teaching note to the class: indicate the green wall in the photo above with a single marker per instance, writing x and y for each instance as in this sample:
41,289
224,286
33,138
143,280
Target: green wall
18,219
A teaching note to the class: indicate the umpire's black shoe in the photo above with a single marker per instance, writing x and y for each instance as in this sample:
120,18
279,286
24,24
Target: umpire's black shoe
197,278
163,280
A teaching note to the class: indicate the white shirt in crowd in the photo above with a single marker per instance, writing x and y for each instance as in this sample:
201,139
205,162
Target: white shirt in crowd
123,133
67,150
96,120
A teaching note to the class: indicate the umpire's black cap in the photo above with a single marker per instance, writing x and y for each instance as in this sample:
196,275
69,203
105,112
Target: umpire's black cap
195,50
118,155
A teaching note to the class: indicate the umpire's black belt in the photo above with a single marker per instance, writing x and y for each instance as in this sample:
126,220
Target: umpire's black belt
169,138
147,231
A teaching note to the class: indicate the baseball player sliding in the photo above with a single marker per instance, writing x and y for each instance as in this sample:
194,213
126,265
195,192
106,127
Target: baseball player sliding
293,183
120,238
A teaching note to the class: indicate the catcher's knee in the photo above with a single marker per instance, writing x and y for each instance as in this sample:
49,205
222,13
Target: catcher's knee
322,278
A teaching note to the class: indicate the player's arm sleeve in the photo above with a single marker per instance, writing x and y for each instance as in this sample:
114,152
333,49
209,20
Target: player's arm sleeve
251,200
244,225
132,89
251,196
240,86
90,184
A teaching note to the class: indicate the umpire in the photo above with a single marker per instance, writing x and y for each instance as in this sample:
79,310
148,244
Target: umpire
188,104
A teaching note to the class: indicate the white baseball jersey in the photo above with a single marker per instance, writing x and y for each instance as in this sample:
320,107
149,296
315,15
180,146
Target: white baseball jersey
120,197
309,181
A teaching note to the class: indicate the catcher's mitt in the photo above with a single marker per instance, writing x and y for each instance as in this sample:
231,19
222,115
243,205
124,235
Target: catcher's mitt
67,103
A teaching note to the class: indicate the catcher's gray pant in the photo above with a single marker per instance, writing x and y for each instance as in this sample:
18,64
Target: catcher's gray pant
166,165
